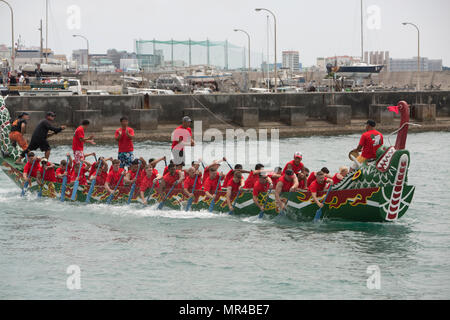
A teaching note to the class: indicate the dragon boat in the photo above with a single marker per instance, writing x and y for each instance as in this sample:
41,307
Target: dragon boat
376,191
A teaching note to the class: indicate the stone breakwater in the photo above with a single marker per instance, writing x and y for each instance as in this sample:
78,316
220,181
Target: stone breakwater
294,114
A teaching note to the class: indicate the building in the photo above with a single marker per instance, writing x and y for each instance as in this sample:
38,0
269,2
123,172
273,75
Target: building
80,56
396,65
291,60
320,63
264,66
377,57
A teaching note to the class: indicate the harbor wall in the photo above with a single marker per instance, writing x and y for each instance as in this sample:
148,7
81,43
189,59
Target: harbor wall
219,108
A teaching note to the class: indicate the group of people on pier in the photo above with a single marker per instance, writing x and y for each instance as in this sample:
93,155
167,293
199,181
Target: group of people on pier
126,170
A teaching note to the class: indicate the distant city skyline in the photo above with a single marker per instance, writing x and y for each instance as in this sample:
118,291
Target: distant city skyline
320,28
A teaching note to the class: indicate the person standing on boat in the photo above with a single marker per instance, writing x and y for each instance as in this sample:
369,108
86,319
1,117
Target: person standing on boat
287,183
40,134
319,185
369,143
18,129
124,136
181,137
79,140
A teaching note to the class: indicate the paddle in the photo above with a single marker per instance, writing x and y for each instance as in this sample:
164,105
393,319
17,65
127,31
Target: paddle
76,183
133,187
191,199
93,182
213,201
283,211
229,165
161,205
319,211
64,182
151,189
234,203
43,182
261,213
114,191
25,185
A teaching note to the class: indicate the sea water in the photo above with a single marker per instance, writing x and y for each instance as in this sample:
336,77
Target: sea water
54,250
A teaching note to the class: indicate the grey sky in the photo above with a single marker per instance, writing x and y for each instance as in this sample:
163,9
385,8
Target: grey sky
314,28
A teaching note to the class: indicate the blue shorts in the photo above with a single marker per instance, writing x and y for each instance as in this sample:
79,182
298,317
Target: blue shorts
125,159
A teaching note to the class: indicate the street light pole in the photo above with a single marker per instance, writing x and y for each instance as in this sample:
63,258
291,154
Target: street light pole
275,45
13,51
418,52
87,41
249,68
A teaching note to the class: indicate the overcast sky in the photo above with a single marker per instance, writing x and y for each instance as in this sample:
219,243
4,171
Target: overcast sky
315,28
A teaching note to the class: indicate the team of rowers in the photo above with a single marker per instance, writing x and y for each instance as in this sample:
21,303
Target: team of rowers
293,177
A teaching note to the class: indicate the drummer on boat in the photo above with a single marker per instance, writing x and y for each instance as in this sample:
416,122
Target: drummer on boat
369,143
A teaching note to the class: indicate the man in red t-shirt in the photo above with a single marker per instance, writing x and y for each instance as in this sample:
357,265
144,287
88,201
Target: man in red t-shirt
369,143
261,186
343,171
79,140
102,172
49,169
181,137
82,176
312,176
173,176
149,177
253,176
189,180
275,175
35,173
319,185
114,176
211,182
295,165
61,171
124,136
233,186
287,183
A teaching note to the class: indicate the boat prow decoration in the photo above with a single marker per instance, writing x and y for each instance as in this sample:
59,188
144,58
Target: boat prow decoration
378,191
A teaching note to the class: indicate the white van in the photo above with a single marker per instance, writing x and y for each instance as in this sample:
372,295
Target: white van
74,86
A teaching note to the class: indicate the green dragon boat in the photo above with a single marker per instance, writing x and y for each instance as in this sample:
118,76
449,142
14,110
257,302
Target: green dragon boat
376,192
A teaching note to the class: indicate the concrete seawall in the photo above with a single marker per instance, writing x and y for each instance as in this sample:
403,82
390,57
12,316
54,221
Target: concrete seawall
221,108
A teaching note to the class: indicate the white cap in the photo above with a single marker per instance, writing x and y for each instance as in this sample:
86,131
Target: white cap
298,154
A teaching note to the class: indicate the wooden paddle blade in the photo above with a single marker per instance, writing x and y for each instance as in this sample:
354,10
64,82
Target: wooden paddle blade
318,215
74,190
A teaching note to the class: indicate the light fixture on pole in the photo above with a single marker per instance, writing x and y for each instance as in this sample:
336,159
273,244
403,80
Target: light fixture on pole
418,52
87,42
249,68
275,45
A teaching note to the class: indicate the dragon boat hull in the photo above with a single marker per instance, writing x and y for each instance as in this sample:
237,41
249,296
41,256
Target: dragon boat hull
365,204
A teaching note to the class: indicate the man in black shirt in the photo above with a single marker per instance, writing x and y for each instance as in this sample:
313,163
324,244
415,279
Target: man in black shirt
40,134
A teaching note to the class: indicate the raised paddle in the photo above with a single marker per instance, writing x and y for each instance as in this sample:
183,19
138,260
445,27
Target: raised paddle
93,182
114,191
161,205
229,165
42,186
213,201
234,203
191,199
26,183
76,184
261,213
133,187
319,211
64,182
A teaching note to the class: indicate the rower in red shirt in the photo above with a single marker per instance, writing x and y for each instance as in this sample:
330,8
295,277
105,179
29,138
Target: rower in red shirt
170,178
181,137
287,183
312,175
275,175
369,143
102,173
85,166
114,176
35,173
61,171
149,177
233,185
131,176
302,179
319,185
210,183
49,169
253,176
189,180
343,171
295,165
261,186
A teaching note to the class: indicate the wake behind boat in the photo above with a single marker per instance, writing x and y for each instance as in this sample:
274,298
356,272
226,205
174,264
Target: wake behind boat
376,191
